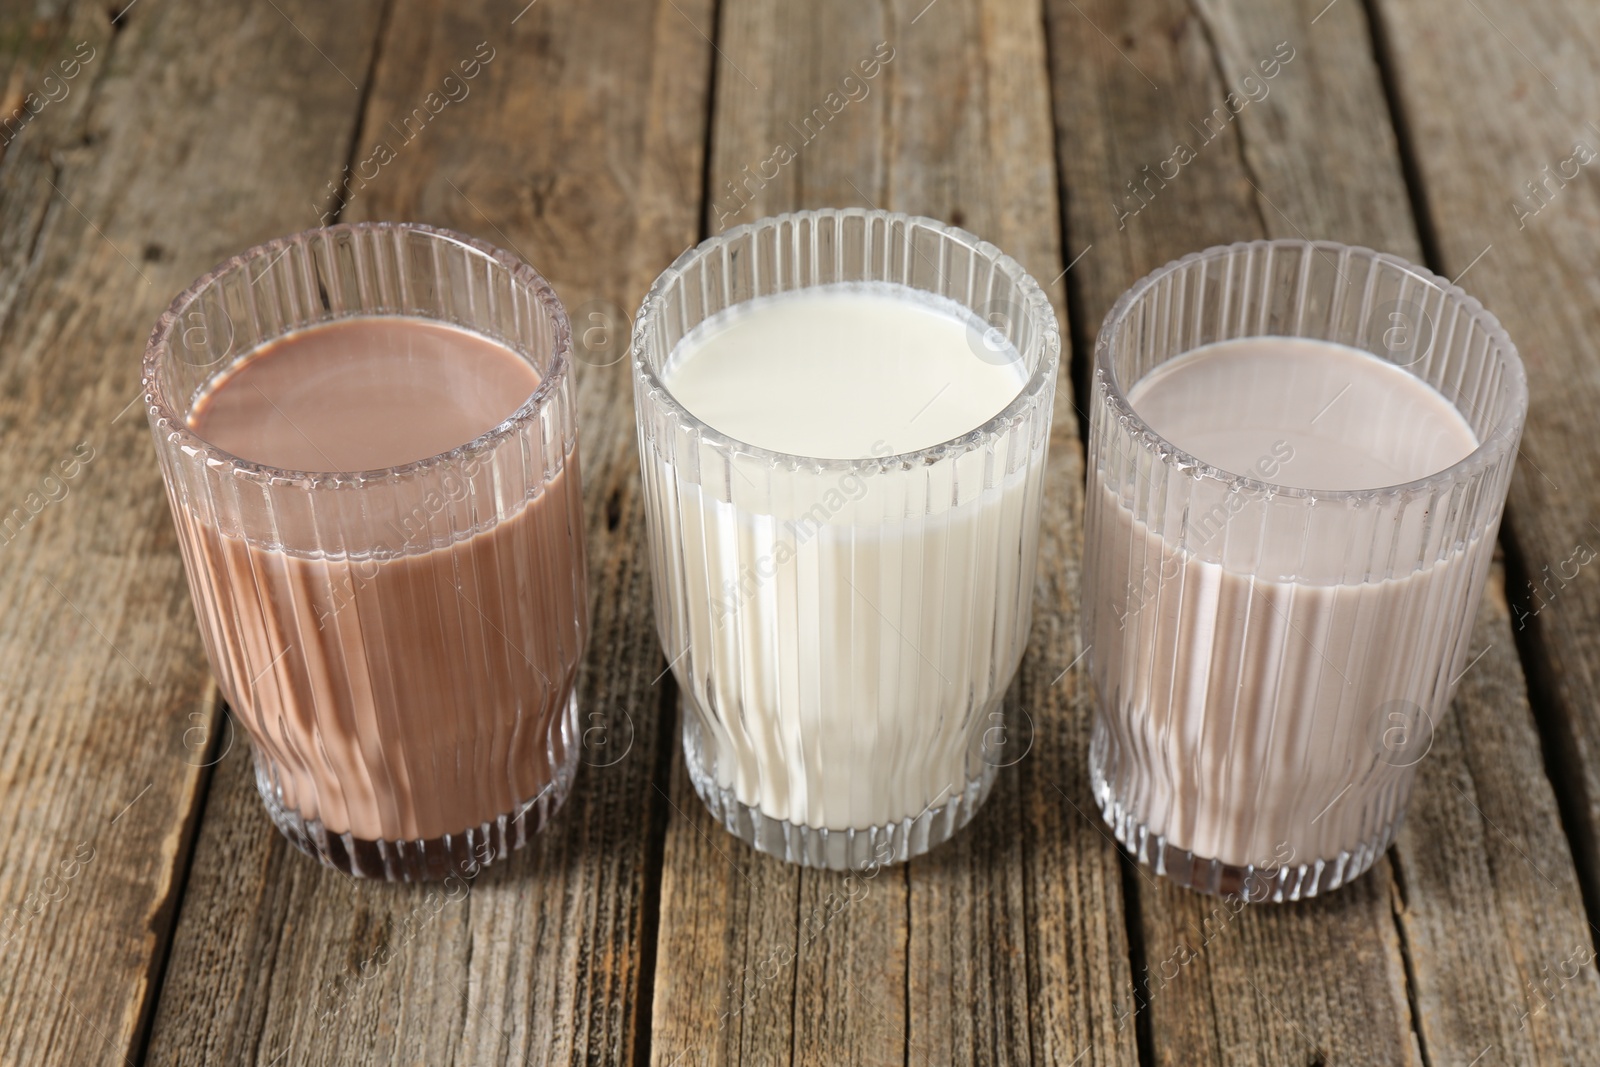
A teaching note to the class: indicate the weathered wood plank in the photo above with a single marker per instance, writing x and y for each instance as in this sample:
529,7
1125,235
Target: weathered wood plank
1311,153
1006,944
1275,985
51,59
1489,905
1018,938
105,700
1500,100
578,144
1510,200
780,944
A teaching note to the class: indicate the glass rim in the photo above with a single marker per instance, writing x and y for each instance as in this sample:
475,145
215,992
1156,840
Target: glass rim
1032,300
1492,446
164,418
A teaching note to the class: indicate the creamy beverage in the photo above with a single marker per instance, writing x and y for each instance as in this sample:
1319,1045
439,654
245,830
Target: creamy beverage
848,630
845,372
415,685
361,394
1264,685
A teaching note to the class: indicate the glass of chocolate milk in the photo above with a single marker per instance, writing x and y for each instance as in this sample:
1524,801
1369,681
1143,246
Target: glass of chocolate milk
1299,454
368,441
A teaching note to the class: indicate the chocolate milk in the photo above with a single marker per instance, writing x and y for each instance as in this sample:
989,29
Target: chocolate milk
406,689
1262,701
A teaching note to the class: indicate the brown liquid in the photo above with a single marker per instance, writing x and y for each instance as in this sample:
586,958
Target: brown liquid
402,690
361,394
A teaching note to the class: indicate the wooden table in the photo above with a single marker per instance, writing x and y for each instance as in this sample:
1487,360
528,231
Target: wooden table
153,915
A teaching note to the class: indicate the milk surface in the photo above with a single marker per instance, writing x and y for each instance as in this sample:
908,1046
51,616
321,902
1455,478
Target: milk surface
837,371
1349,419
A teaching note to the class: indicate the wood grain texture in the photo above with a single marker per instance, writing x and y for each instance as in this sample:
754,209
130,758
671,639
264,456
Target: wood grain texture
38,44
200,127
1311,153
1493,920
577,145
1497,99
1501,101
105,698
1004,945
731,931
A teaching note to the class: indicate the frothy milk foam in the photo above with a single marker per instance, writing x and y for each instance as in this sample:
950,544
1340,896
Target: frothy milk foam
1251,712
843,638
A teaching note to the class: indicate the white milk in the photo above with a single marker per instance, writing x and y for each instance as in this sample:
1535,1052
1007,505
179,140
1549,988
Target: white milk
850,634
1264,702
837,372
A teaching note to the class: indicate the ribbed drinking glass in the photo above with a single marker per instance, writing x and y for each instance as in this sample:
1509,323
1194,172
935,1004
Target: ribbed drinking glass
1270,662
400,644
844,631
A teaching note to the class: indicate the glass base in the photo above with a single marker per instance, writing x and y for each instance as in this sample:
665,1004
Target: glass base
421,860
838,850
1255,884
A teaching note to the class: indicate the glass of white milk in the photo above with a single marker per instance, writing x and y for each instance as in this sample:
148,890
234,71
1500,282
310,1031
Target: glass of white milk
1298,457
843,422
